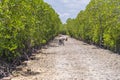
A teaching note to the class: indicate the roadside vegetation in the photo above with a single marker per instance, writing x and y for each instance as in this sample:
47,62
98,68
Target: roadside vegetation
98,24
24,25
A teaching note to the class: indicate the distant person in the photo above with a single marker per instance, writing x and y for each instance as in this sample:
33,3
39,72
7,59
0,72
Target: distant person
62,39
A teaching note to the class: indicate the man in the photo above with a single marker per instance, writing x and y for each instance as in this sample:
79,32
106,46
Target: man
62,39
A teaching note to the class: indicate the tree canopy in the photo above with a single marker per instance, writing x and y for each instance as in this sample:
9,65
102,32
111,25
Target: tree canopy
25,24
99,23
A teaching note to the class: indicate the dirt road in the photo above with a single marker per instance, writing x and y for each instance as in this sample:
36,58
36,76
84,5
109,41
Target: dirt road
75,60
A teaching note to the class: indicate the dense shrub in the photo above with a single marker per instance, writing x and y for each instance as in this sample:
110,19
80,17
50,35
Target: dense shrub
99,23
25,24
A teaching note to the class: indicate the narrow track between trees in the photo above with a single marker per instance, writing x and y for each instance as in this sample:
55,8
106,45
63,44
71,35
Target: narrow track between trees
75,60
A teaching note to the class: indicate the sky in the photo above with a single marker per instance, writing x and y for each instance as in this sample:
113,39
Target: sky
67,8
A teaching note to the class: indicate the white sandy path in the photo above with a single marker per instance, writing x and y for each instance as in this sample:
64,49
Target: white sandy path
74,61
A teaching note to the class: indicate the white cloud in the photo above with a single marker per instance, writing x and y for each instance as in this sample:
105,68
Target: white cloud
65,1
74,4
68,8
64,14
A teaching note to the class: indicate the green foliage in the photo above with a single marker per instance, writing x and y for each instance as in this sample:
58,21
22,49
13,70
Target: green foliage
25,24
99,23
